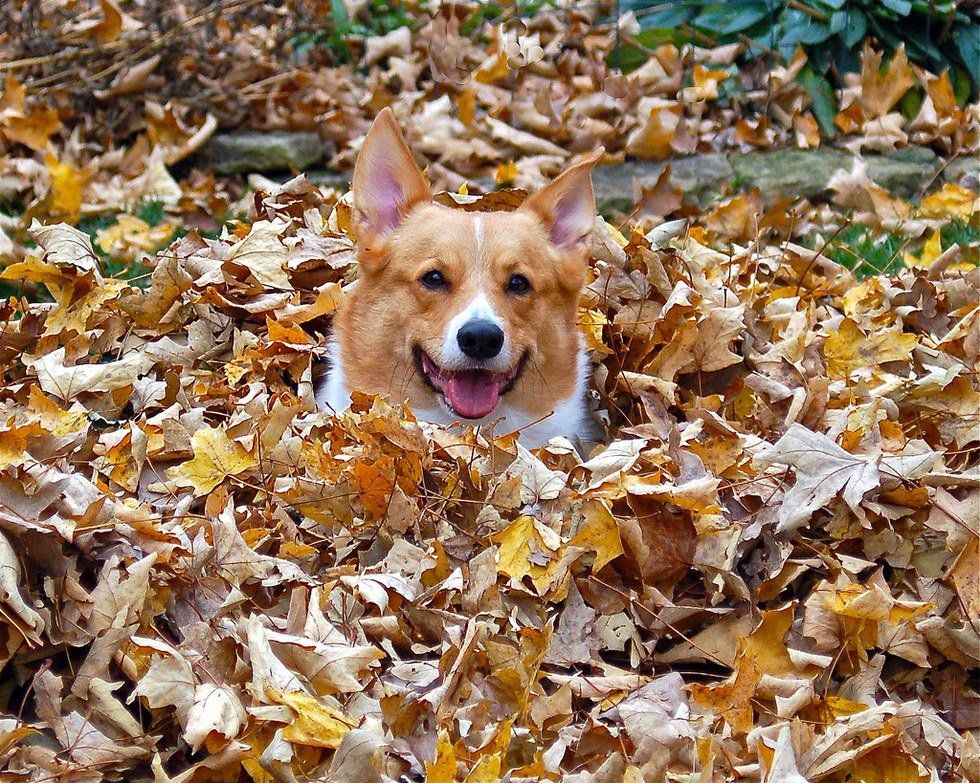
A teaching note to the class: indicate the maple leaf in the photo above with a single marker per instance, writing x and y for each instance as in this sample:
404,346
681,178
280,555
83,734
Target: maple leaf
443,768
849,350
314,723
399,601
216,457
732,698
262,252
823,470
529,549
215,710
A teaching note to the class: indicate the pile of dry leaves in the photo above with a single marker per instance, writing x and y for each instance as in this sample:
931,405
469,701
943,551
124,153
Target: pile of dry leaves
770,574
100,100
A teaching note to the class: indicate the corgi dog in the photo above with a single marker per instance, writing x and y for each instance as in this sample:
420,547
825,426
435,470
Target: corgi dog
469,317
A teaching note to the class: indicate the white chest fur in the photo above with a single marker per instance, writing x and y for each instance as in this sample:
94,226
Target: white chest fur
571,417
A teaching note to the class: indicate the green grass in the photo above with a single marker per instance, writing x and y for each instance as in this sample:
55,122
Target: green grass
961,232
152,212
378,18
867,252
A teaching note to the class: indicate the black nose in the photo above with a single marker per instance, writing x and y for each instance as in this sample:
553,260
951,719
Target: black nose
480,339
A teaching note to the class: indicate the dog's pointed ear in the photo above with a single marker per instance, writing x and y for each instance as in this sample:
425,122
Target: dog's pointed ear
387,183
566,206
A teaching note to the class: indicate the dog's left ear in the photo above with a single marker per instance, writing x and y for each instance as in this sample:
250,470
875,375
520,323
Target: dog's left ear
387,183
566,206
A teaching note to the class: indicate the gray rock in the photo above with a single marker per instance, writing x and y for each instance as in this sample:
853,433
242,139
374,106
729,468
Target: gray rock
698,176
963,171
789,173
326,178
907,172
248,151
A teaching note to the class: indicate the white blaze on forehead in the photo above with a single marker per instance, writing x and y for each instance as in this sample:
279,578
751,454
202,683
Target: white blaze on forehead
478,232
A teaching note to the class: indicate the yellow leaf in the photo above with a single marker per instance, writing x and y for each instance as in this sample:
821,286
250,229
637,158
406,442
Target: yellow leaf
493,69
216,456
37,271
653,136
524,553
255,743
599,533
765,645
327,301
706,83
52,417
130,236
296,550
590,322
443,769
32,127
288,334
487,770
633,775
74,312
886,763
467,106
506,172
849,349
235,371
13,444
67,183
950,201
931,250
315,724
616,234
732,698
831,708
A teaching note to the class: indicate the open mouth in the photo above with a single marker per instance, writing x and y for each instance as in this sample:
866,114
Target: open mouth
472,393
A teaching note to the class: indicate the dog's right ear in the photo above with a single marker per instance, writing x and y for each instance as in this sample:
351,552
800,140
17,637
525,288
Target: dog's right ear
387,183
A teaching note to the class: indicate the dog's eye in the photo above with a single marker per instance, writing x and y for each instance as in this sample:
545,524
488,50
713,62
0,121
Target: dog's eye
518,284
433,280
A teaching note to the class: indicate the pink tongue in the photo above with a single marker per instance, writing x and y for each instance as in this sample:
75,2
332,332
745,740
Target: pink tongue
472,393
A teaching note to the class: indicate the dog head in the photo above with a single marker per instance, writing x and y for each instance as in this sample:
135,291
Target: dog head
457,311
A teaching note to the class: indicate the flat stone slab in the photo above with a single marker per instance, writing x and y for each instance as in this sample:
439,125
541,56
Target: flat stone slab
789,173
698,176
250,151
327,178
909,172
963,171
777,174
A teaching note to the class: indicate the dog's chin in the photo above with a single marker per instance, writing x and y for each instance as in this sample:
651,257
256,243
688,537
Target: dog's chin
472,393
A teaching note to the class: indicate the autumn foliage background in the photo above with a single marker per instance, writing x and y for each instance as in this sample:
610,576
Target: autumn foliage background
769,571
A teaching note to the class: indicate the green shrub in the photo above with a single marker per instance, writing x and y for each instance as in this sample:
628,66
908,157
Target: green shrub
377,18
936,33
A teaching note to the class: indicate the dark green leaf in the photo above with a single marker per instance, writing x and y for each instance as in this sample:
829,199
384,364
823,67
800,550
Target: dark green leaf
900,7
665,17
855,28
813,32
911,102
727,18
338,13
822,96
966,39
